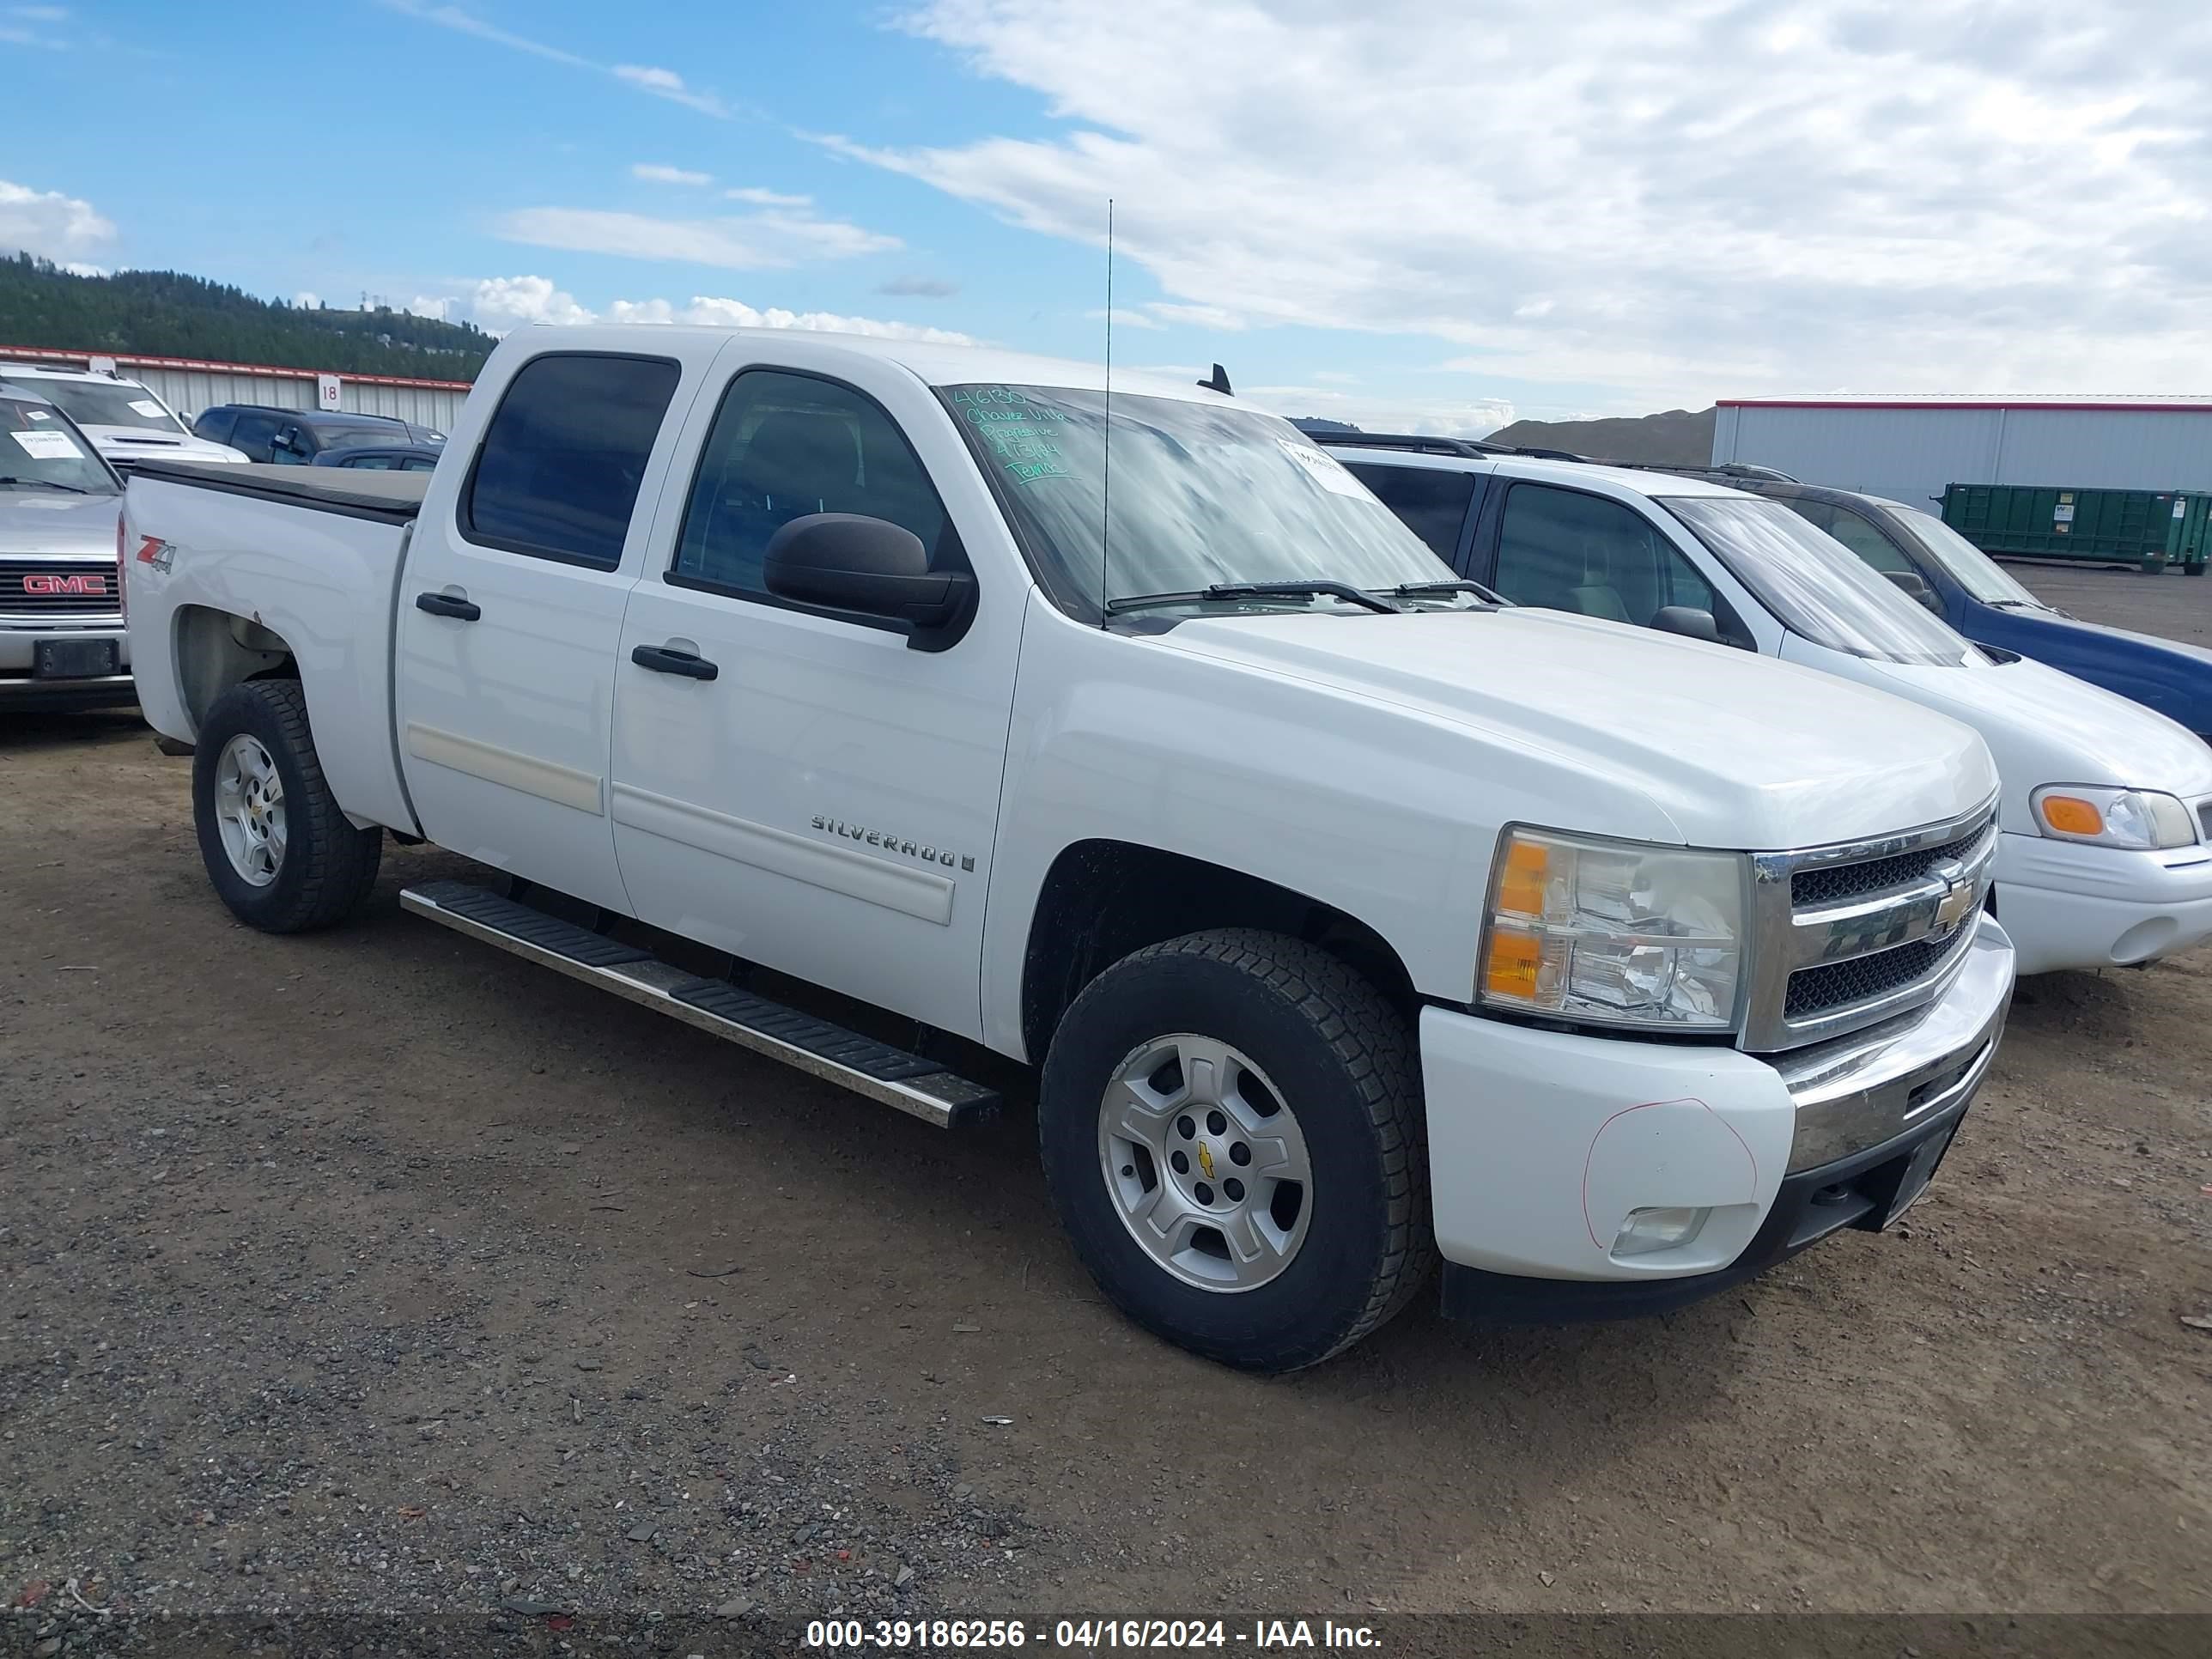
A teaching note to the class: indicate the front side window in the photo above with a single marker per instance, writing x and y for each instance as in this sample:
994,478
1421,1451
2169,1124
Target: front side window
784,446
369,463
1430,501
1570,551
1854,531
1201,494
1814,586
254,434
564,457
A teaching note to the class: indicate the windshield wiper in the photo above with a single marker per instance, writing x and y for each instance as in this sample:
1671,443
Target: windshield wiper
1231,591
46,483
2016,604
1440,590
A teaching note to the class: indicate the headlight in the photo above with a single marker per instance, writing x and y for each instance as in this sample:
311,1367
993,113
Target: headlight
2141,819
1613,933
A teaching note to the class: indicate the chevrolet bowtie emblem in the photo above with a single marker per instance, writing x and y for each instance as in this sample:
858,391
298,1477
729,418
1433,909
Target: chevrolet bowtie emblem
1206,1160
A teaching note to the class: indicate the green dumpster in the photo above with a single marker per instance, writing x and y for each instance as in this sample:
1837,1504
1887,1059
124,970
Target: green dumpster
2148,529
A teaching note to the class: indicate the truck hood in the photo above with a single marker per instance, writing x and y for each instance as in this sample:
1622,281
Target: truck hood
51,525
137,443
2044,727
2172,676
1733,749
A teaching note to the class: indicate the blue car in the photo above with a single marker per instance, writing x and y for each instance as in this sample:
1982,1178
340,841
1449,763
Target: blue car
1972,592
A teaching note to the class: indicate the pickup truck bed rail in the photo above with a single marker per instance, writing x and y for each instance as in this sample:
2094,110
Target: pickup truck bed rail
387,497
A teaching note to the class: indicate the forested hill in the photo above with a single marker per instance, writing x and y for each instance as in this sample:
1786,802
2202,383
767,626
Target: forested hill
166,313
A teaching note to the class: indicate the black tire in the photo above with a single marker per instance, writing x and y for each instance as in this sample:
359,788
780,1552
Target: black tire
328,866
1343,1061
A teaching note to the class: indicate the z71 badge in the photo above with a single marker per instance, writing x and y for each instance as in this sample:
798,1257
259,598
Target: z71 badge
891,843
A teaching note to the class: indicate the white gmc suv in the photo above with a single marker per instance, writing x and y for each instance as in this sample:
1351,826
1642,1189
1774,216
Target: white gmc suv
1348,919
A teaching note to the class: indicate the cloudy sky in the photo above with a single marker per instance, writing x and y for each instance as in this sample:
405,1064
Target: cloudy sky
1439,215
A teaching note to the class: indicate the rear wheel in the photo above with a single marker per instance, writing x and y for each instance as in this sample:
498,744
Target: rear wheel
277,848
1231,1129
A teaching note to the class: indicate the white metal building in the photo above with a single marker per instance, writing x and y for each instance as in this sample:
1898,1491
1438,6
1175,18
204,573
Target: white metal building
1909,447
188,385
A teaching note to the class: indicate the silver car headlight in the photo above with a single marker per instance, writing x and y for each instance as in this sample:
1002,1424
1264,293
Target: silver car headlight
2143,819
1615,932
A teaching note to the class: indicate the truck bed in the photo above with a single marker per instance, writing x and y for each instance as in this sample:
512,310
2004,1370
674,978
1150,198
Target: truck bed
313,555
392,497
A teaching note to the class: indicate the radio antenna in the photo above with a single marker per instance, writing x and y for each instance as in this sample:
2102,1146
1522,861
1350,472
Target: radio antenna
1106,490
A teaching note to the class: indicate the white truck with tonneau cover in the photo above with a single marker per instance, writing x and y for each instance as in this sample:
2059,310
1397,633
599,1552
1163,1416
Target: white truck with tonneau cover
1347,918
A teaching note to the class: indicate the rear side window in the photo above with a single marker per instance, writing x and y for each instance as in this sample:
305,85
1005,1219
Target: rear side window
558,473
1431,503
215,425
784,446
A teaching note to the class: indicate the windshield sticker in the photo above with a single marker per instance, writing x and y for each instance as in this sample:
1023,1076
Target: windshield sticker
1324,469
147,407
48,446
1022,436
38,414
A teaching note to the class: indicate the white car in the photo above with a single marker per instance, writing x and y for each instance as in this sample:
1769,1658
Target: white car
1348,919
126,423
2106,858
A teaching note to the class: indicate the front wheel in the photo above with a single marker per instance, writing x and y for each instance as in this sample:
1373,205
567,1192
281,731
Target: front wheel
277,848
1231,1130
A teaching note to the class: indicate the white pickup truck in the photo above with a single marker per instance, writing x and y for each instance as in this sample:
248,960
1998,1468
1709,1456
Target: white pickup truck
1349,920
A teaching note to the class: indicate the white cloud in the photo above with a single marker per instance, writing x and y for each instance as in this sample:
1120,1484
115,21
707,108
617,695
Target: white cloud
307,300
1668,202
28,26
667,83
1427,417
659,173
499,303
79,268
661,83
754,241
760,198
924,287
1124,318
1197,316
439,308
49,224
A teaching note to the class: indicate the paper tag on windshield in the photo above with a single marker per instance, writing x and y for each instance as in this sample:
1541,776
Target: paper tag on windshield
147,407
48,446
1325,470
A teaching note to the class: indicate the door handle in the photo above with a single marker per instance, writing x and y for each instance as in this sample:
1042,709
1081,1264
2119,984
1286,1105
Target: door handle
445,605
662,661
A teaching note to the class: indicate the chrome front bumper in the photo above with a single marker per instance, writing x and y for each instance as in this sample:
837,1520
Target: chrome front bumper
1861,1090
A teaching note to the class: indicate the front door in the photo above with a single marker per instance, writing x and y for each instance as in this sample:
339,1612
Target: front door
510,611
825,802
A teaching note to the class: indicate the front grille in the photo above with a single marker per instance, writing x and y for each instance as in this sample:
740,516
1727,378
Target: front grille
1832,884
1861,979
41,588
1856,932
2204,818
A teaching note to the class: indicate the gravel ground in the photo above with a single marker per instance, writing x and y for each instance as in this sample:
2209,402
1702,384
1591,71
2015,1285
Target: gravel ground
380,1271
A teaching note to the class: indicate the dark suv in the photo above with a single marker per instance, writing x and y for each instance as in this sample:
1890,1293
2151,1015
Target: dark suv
294,437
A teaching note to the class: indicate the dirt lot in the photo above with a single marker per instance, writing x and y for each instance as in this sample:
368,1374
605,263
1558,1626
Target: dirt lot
381,1270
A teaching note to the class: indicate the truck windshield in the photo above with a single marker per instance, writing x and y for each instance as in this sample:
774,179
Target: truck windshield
40,450
1200,495
107,403
1815,585
1972,568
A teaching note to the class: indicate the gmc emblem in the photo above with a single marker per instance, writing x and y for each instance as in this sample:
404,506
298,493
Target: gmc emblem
92,584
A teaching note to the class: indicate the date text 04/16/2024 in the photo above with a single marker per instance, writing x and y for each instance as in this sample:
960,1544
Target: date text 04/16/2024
1087,1635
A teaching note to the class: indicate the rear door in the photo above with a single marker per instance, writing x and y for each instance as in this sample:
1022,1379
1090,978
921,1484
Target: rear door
511,608
825,804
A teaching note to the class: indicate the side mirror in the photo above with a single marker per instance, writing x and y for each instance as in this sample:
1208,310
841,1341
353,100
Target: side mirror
1915,585
848,561
1688,621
